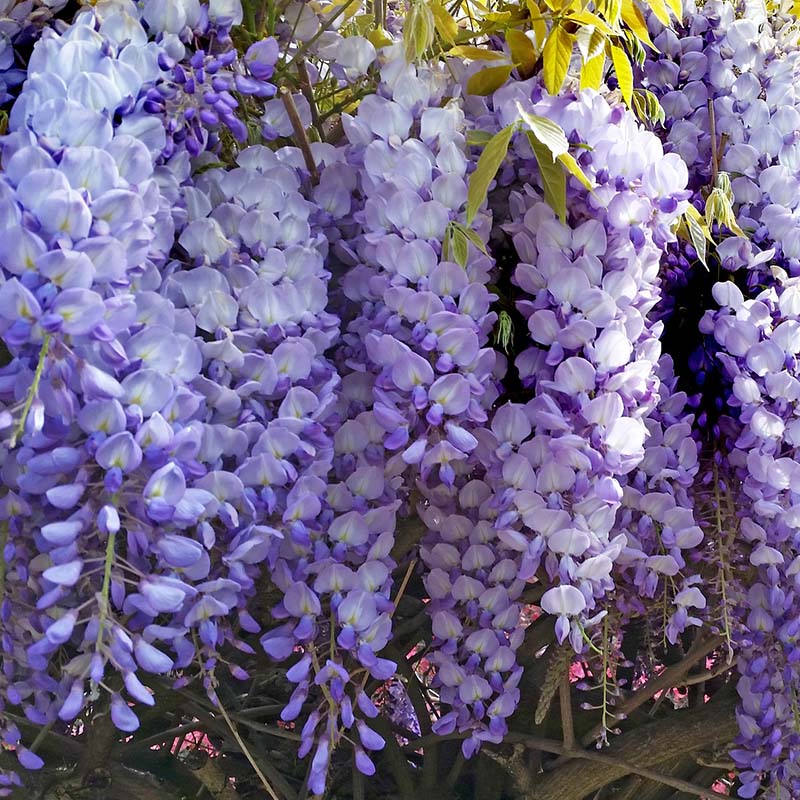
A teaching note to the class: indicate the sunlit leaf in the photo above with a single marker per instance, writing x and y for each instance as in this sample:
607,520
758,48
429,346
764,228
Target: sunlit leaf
677,8
555,58
624,72
488,80
539,27
697,237
554,179
549,133
350,8
646,106
592,72
588,18
523,53
720,209
488,164
379,38
634,19
591,42
574,168
611,10
659,8
473,53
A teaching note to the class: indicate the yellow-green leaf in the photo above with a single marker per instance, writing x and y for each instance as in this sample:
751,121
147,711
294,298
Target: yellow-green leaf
488,164
549,133
350,10
523,53
460,248
555,58
539,27
473,53
611,10
488,80
695,215
504,331
677,8
591,42
472,236
624,71
697,237
659,8
592,72
588,18
418,30
445,24
574,168
554,179
634,19
478,138
379,38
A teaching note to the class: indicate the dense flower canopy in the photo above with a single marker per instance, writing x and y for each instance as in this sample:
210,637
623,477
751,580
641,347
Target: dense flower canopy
399,358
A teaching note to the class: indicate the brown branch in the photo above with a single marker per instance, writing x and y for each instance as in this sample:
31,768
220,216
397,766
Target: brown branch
565,701
669,677
213,777
300,135
308,93
635,752
609,761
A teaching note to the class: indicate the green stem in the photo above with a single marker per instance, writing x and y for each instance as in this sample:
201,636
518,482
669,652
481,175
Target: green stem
105,591
723,558
250,17
33,391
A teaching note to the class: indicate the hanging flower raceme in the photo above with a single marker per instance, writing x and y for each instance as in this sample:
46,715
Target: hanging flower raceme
758,350
586,290
733,78
106,396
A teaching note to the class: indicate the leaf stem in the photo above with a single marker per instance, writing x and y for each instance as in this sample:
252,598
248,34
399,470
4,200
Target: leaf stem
32,392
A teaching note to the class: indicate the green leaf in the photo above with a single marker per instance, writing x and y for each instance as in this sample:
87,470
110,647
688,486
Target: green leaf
554,179
504,331
445,24
472,236
719,209
646,107
697,236
478,138
699,243
555,58
460,248
447,242
523,53
491,158
418,30
488,80
549,133
574,169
